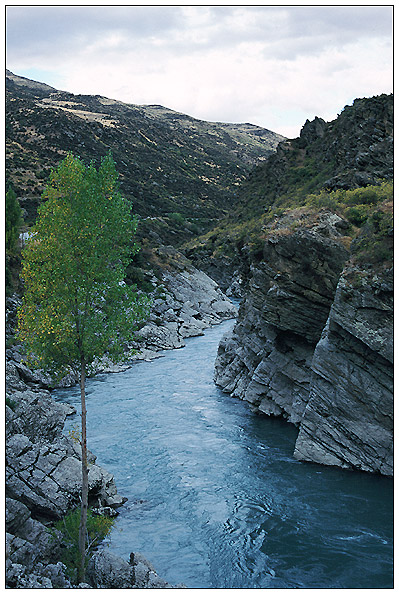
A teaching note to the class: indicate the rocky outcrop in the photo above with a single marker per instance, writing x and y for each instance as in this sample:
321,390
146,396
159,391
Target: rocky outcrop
348,420
43,482
313,344
106,570
186,302
266,359
354,150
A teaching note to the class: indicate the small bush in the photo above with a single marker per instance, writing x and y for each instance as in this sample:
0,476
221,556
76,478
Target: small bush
98,527
176,218
357,215
375,243
136,276
11,403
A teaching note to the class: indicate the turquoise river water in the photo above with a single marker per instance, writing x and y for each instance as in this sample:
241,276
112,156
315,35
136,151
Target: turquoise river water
215,497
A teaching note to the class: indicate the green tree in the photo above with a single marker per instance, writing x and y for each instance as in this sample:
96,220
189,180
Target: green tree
13,220
76,306
13,223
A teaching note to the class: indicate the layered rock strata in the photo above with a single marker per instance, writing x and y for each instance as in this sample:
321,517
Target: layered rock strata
266,359
314,347
348,420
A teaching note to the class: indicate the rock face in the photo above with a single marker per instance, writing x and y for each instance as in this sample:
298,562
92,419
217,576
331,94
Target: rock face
43,467
43,482
189,303
266,360
106,570
349,417
315,347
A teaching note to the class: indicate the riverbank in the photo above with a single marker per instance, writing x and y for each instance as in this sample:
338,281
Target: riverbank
43,482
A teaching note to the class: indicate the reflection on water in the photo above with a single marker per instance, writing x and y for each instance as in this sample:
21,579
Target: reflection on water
215,498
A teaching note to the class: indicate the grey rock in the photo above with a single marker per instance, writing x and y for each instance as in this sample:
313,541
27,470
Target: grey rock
38,416
106,570
191,302
18,576
55,572
20,551
315,347
267,358
30,376
349,417
13,379
16,515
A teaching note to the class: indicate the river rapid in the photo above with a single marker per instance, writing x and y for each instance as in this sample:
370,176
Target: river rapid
215,497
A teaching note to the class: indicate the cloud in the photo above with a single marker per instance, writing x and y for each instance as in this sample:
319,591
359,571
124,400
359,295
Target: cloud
274,66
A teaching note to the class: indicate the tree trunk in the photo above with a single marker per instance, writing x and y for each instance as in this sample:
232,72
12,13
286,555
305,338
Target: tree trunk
85,477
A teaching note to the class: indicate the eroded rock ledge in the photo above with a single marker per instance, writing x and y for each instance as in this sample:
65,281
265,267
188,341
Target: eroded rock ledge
313,344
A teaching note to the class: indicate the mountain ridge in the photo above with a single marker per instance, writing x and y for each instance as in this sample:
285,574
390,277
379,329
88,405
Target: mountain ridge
168,162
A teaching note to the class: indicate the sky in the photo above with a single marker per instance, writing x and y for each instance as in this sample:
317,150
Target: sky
274,66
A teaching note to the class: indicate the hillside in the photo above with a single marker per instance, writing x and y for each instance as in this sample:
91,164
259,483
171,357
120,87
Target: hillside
180,172
354,150
345,165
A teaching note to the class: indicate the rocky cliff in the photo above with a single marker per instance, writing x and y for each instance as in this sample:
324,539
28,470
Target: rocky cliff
328,158
353,150
348,420
267,358
309,249
313,342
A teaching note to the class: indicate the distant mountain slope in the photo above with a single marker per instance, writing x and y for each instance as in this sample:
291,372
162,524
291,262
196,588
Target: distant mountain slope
169,163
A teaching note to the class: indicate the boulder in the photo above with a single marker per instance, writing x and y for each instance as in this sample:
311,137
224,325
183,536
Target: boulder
106,570
16,515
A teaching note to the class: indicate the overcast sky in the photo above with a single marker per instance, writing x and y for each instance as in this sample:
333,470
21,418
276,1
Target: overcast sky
274,66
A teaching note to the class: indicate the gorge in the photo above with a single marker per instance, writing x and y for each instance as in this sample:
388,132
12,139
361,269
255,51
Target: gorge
301,231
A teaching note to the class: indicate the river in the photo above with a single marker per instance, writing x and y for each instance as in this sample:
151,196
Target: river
215,497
